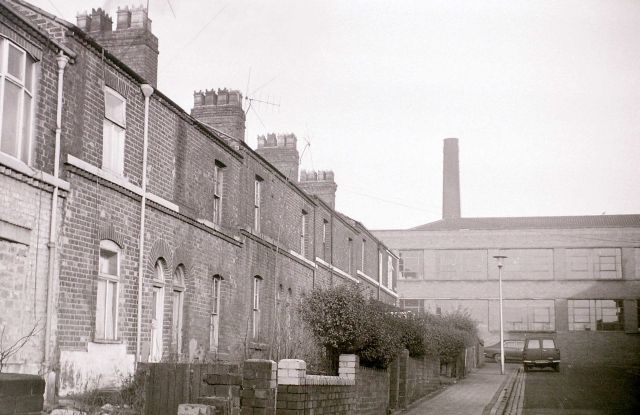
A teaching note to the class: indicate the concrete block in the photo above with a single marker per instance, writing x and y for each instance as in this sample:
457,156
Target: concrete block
195,409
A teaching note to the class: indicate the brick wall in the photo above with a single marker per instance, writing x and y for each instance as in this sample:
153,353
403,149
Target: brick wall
179,226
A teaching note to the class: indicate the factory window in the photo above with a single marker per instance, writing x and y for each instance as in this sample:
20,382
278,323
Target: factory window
411,305
214,334
218,177
113,131
389,271
178,308
607,263
257,203
411,265
362,254
600,315
107,295
16,100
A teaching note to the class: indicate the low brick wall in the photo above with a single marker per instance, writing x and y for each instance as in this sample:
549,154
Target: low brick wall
423,377
299,393
372,386
21,394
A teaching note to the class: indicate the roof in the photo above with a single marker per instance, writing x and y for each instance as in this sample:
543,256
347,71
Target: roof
533,222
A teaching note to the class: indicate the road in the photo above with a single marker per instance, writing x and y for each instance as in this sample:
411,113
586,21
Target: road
583,390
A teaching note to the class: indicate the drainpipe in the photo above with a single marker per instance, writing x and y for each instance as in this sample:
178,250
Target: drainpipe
62,63
331,251
147,90
315,253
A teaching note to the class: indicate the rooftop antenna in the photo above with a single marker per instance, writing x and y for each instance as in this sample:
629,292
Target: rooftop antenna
249,97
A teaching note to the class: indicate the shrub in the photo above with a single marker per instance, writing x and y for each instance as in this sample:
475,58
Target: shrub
344,321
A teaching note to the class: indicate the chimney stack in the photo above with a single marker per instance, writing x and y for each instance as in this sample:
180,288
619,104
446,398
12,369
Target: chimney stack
451,180
220,110
320,183
281,151
132,42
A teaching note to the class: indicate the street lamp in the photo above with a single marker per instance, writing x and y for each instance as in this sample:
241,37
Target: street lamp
500,258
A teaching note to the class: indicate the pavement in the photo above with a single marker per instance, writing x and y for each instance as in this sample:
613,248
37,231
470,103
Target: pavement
483,391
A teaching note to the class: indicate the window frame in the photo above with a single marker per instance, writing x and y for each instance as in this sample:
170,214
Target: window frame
177,312
303,233
216,294
117,132
158,304
402,259
255,321
257,203
218,186
113,248
350,255
23,133
592,315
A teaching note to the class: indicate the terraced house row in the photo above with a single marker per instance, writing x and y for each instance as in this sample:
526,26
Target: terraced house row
132,231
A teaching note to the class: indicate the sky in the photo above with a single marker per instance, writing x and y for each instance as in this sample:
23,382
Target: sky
544,96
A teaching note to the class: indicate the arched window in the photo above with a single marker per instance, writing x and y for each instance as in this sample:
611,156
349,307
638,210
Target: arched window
107,296
178,308
157,311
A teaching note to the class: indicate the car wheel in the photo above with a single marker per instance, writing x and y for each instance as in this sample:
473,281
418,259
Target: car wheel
556,367
526,368
496,357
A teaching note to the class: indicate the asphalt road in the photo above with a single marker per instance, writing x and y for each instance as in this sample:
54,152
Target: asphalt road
582,390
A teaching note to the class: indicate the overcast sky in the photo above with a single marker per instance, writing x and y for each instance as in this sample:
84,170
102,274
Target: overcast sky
544,96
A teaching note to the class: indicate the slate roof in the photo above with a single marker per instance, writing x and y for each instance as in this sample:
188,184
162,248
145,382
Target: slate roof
533,222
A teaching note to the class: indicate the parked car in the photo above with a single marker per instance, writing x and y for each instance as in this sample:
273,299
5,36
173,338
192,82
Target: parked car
512,351
540,352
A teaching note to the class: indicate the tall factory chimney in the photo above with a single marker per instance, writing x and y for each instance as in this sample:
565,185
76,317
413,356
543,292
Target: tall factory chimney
451,180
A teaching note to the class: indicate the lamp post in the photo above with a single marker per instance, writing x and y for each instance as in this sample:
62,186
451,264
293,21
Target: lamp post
500,258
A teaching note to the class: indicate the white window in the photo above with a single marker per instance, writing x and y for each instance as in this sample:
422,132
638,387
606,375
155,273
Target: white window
389,271
157,316
257,203
113,132
178,308
257,282
16,100
303,233
215,312
218,176
107,297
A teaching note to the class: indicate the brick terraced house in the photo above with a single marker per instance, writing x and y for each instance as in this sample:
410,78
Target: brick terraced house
133,231
575,276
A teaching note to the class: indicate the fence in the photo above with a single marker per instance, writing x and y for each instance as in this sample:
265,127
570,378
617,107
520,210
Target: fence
167,385
262,386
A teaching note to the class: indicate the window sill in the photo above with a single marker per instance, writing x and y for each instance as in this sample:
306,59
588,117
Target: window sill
107,341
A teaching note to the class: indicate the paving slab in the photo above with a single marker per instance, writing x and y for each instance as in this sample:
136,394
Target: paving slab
469,396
